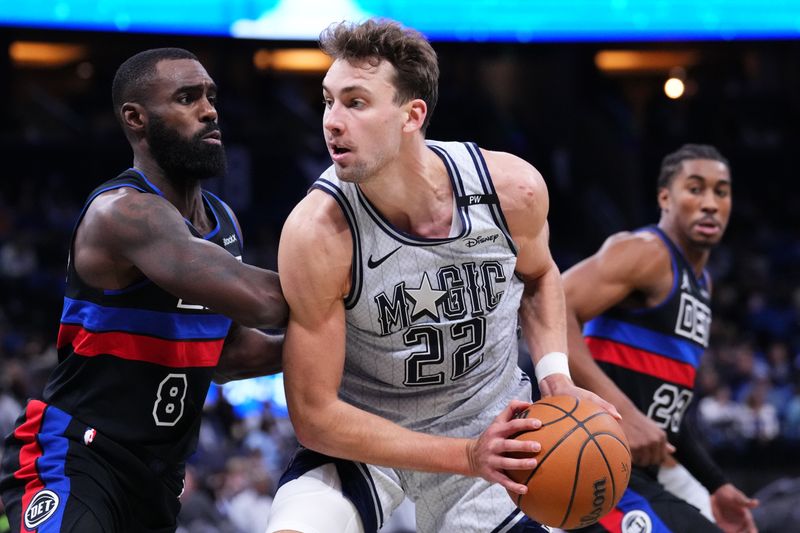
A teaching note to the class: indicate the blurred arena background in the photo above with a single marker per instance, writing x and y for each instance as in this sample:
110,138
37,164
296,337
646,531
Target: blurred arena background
593,93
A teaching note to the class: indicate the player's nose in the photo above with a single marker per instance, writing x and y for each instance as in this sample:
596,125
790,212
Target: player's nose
710,202
332,121
208,111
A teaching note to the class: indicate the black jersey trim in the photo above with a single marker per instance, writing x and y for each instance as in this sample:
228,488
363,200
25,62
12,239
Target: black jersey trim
413,240
147,181
488,184
356,269
231,216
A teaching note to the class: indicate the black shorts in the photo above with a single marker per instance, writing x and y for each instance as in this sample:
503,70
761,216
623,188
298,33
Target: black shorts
647,507
59,475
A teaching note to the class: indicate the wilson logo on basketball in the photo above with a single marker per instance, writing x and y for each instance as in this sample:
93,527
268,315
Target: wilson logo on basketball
42,507
598,503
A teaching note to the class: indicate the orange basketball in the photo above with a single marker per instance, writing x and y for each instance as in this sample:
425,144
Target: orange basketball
582,469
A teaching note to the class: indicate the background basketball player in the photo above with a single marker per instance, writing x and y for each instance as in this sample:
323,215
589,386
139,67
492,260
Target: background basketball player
644,298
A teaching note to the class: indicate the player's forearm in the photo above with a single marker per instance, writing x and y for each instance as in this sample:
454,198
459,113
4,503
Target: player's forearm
248,353
587,374
341,430
696,459
258,301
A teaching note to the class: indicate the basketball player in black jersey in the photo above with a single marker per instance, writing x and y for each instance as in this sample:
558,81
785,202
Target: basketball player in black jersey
644,300
157,304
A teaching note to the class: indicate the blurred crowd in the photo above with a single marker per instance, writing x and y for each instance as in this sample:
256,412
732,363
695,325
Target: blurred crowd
598,142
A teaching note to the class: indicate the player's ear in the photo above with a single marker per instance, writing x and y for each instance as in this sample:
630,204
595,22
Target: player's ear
416,111
663,198
133,115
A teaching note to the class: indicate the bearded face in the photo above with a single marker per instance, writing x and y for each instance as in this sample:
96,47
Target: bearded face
190,159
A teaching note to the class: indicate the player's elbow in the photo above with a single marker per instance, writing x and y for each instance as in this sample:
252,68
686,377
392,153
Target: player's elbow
305,436
310,423
308,434
270,310
275,312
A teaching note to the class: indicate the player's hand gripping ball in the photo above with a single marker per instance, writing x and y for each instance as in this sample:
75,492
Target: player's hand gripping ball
582,469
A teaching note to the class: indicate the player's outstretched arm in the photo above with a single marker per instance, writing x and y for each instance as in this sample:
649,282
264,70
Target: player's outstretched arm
248,353
626,264
124,230
315,257
524,199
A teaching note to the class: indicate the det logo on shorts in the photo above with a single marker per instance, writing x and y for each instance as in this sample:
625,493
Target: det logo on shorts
42,507
636,521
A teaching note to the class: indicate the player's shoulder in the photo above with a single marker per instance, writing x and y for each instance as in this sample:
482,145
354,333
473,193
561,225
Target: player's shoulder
123,205
317,215
316,248
509,170
643,240
519,184
642,251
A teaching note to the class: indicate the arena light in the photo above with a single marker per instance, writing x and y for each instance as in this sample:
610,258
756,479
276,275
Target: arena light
302,60
43,54
643,61
674,88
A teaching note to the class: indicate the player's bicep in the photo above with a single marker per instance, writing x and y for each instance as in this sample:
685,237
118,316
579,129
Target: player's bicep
603,280
314,260
534,258
151,235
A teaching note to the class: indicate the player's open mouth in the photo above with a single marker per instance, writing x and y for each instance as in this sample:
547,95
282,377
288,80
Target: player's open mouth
338,152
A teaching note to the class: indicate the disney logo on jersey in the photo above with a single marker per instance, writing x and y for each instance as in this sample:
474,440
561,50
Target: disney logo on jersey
694,320
452,293
481,239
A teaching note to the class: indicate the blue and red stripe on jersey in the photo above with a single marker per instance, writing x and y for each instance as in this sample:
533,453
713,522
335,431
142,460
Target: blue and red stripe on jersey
663,356
42,458
176,340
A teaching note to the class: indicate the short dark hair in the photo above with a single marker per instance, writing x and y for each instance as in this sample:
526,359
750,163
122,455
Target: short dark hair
137,72
406,49
671,164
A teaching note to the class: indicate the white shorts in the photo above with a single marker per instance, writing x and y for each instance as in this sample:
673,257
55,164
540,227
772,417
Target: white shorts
321,501
442,502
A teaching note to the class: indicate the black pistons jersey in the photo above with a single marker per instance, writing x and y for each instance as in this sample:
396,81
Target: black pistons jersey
135,364
652,354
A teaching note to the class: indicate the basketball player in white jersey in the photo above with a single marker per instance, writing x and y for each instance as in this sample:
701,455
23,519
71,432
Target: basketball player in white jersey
407,269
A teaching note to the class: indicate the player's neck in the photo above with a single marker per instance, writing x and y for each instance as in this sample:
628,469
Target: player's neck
696,256
184,194
414,193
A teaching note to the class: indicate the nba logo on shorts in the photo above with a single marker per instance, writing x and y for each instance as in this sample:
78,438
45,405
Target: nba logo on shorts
42,507
88,436
636,521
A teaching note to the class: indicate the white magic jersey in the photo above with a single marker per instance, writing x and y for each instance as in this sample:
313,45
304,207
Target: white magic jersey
431,323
